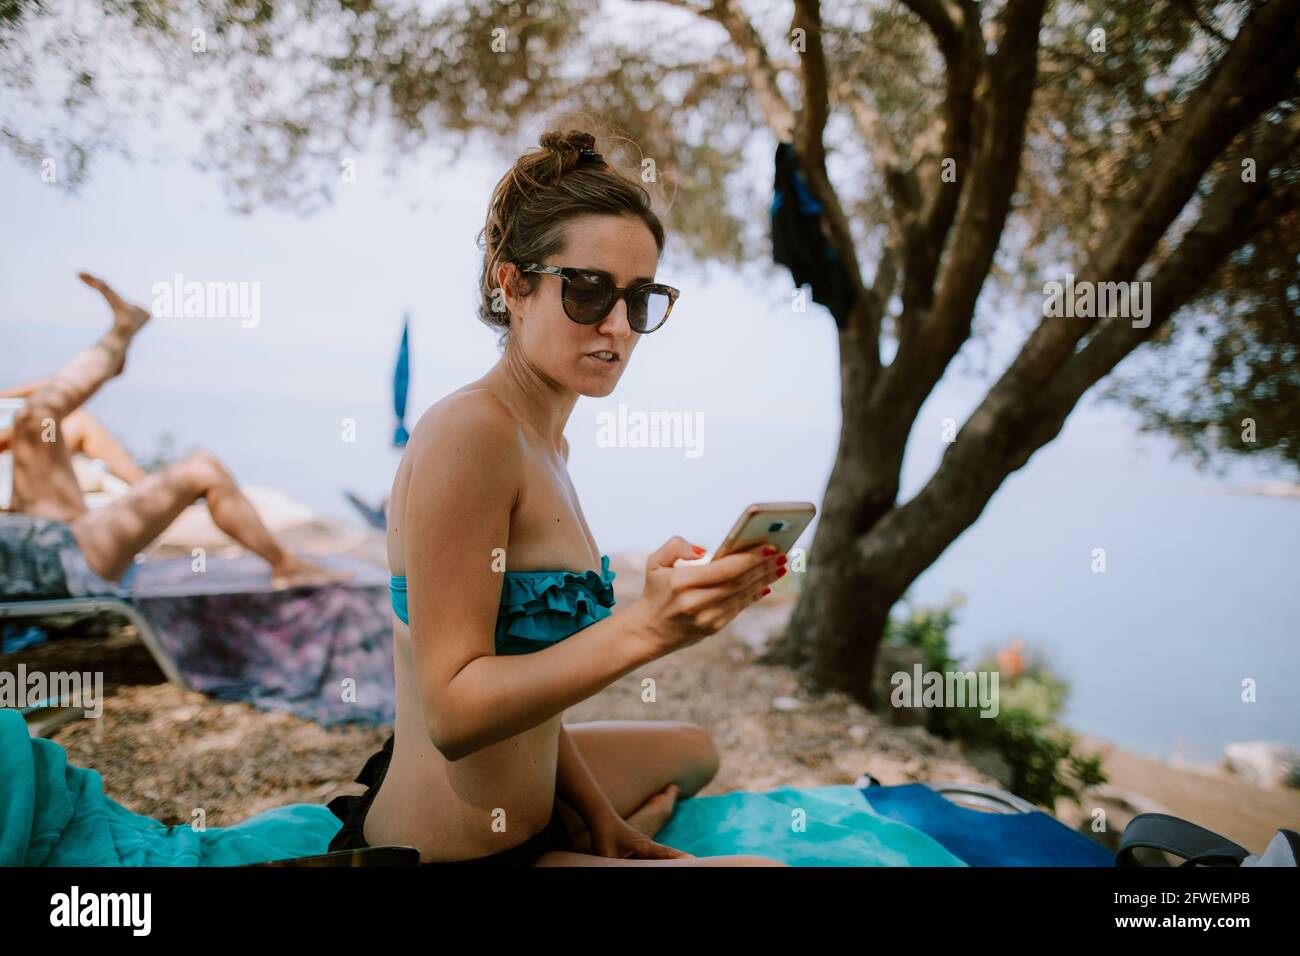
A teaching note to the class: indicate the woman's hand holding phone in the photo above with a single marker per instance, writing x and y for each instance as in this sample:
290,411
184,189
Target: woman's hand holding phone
683,605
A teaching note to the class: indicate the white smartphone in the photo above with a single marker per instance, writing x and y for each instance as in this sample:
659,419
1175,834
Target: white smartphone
778,523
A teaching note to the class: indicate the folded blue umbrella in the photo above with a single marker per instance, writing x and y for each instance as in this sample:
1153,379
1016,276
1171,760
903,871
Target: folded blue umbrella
401,384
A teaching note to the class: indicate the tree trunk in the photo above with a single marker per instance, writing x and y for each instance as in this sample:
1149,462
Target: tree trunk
868,549
841,614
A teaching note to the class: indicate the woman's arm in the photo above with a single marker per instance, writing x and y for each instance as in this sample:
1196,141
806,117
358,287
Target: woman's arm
493,698
575,785
454,521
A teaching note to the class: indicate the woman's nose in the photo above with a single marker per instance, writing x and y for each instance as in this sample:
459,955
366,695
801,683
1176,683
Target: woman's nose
622,322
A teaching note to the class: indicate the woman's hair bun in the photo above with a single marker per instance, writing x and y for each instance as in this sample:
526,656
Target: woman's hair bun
574,148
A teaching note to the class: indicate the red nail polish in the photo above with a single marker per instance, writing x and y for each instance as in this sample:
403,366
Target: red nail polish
768,550
780,560
781,572
767,590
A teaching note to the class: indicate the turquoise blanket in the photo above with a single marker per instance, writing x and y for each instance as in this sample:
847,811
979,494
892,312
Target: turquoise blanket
812,826
55,814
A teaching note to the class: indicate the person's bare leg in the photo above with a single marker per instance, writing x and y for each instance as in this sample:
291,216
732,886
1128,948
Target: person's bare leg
89,436
44,483
111,536
635,762
24,390
649,818
72,385
654,814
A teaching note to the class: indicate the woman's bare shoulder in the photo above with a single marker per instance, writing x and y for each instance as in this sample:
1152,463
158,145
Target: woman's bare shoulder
464,456
471,422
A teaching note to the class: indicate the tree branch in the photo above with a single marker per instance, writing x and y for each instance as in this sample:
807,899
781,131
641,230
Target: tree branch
1002,101
811,152
1007,428
758,67
960,40
1194,9
1228,219
944,22
1257,71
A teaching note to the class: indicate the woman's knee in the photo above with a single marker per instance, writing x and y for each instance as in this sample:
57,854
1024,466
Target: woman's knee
704,760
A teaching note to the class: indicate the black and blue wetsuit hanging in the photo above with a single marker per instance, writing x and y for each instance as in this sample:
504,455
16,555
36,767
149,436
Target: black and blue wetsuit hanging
798,242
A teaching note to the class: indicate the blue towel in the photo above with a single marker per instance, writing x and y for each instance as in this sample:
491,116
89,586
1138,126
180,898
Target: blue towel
988,839
817,826
55,814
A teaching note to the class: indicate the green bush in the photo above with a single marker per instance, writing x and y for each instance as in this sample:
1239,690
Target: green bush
1041,754
927,628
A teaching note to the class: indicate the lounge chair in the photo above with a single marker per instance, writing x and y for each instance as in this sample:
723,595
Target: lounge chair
226,633
89,607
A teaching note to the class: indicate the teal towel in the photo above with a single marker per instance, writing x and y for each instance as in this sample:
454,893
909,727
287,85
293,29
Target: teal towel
55,814
815,826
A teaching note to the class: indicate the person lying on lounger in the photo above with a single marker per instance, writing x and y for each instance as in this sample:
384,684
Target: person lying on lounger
51,544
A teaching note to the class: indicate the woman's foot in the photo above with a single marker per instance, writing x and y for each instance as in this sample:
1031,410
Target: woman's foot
651,816
293,572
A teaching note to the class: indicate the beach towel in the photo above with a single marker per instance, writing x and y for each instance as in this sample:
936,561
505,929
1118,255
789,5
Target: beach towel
53,813
988,839
801,826
322,653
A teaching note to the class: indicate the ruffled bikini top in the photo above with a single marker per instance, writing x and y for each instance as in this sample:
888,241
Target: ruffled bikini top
539,608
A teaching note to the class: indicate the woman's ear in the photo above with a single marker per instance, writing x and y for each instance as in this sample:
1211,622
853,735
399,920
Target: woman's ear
511,282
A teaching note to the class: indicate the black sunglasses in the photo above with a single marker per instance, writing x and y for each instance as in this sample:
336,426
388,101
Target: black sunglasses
589,295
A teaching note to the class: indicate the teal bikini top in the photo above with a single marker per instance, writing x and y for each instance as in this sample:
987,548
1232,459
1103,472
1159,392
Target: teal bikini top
539,608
